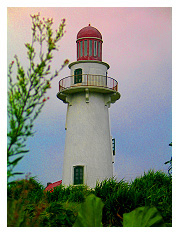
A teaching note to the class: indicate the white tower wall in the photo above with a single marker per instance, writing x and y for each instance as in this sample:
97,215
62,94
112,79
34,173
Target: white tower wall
88,155
97,68
88,139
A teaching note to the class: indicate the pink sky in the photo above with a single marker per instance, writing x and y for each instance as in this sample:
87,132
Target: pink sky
137,44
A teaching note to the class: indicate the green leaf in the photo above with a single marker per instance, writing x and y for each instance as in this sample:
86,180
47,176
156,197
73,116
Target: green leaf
90,213
143,217
21,152
168,162
14,162
17,173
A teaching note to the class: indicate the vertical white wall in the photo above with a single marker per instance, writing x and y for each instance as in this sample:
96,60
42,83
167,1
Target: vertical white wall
88,139
94,68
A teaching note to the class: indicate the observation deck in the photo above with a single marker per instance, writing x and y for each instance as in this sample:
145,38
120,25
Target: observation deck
88,82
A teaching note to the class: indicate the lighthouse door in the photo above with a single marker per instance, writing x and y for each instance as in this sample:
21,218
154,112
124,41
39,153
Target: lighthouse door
78,76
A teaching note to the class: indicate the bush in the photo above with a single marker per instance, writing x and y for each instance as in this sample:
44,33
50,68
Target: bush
117,200
152,189
155,189
30,205
70,193
26,189
57,216
26,198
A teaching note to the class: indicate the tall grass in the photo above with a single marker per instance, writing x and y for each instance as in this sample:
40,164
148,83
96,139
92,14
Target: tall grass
70,193
60,207
117,200
155,189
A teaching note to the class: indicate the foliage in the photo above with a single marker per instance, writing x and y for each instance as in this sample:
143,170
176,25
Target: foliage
70,193
28,190
90,213
29,200
32,206
57,216
25,203
151,189
143,217
16,216
170,162
155,189
117,198
27,90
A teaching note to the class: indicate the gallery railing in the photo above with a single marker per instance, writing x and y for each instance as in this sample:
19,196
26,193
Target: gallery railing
88,80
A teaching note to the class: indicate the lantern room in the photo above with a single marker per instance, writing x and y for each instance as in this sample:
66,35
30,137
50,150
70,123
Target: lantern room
89,44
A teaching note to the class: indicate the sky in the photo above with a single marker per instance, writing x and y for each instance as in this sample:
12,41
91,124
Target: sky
137,44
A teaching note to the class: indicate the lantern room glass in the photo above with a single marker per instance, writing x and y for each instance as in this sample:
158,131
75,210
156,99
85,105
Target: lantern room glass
90,47
81,48
85,48
99,49
95,48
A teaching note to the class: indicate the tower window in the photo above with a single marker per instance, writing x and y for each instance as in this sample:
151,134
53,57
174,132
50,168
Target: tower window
78,76
98,49
78,175
78,50
85,48
95,48
113,146
90,48
81,48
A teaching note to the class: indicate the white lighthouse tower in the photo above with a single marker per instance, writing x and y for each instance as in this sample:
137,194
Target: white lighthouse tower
88,91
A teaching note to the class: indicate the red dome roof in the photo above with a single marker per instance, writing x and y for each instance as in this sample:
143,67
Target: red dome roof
89,31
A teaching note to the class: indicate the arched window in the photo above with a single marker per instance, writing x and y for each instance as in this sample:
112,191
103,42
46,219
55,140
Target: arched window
78,175
78,76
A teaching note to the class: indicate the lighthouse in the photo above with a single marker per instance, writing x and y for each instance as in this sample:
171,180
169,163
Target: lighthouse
88,93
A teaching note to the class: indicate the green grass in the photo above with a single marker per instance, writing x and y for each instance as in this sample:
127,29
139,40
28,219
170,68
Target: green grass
30,205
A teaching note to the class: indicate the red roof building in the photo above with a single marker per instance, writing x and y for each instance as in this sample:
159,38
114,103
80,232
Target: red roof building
50,186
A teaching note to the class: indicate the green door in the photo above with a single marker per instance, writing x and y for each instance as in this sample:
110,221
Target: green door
78,76
78,175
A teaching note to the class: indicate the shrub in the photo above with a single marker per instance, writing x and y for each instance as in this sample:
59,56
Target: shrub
30,205
57,216
151,189
16,216
117,200
70,193
28,189
26,201
155,189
